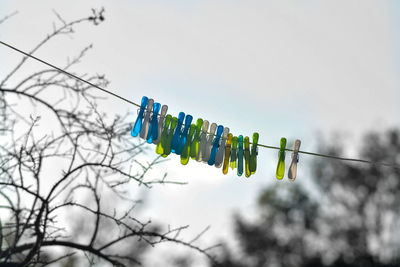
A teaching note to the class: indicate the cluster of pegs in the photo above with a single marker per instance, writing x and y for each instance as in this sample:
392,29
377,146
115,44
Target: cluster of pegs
213,145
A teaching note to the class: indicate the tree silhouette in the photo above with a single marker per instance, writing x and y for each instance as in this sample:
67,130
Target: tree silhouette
350,218
66,173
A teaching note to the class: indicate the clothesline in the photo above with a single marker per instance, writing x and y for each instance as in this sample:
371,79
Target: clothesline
137,105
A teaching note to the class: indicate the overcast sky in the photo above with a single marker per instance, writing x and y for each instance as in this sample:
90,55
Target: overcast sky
282,68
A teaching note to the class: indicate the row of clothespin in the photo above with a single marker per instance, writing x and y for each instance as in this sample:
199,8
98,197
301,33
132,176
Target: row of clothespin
214,145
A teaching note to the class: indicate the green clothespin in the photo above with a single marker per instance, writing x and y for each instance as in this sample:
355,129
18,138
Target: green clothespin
280,170
185,154
167,147
164,135
234,152
194,148
247,156
240,156
254,153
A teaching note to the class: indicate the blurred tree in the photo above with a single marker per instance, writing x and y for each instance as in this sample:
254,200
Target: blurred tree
66,174
351,218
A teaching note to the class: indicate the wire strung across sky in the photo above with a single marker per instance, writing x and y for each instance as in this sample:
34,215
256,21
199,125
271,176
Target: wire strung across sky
135,104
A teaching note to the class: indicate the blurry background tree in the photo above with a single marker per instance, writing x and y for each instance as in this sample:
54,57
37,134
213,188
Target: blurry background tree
69,185
350,218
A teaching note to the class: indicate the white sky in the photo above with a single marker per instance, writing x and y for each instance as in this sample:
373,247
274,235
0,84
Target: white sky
282,68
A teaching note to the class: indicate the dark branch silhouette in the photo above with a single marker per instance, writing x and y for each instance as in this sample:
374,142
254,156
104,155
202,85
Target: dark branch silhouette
67,181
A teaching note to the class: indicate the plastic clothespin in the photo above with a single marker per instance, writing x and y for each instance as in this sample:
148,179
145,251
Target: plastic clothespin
185,155
227,154
194,148
161,120
146,120
178,132
234,153
203,140
215,146
240,156
253,154
295,159
280,169
168,143
219,160
138,123
183,136
247,156
153,129
210,138
164,135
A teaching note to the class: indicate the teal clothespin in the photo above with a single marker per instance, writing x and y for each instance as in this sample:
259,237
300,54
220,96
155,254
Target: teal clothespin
138,123
153,129
280,169
183,136
219,159
185,155
146,120
215,146
194,149
178,132
253,154
240,156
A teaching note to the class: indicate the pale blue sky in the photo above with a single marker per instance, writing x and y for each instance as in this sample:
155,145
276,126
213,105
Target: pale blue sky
282,68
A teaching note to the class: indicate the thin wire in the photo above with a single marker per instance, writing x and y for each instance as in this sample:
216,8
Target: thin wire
135,104
69,74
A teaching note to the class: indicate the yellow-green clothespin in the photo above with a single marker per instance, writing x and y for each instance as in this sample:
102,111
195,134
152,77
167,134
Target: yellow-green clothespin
247,156
194,148
164,135
280,169
167,146
227,154
234,152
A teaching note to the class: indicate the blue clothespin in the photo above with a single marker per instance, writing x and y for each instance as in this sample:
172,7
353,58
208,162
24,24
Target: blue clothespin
152,134
219,159
138,123
178,132
182,138
215,146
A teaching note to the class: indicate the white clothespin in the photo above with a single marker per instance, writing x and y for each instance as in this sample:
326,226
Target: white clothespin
203,140
146,120
210,139
161,120
295,159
